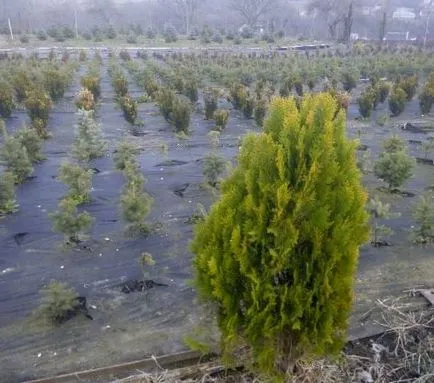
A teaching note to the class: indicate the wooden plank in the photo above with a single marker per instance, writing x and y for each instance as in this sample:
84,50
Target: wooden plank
124,370
428,295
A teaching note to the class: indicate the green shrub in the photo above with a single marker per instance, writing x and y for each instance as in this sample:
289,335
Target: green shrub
181,115
366,102
14,156
22,84
349,81
136,203
8,204
238,93
394,165
6,100
286,87
55,83
426,99
125,55
111,32
190,90
409,86
68,32
221,118
170,34
38,104
82,55
120,85
132,39
78,180
397,101
248,106
92,83
24,39
278,252
210,98
125,153
260,112
30,139
150,33
41,35
423,215
129,108
383,88
85,100
58,301
67,221
89,143
213,168
166,99
298,86
382,120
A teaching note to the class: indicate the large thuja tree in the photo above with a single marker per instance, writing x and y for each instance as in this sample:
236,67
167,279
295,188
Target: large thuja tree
278,251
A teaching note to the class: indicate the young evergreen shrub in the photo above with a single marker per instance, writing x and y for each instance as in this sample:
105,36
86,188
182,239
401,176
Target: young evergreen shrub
150,33
213,168
170,34
397,101
181,115
136,203
423,214
248,106
383,88
379,211
125,55
191,90
111,32
286,87
22,84
38,105
125,153
41,35
238,93
14,156
120,85
24,39
426,99
78,180
165,100
394,165
84,100
210,98
8,204
132,39
366,102
92,83
6,100
58,301
260,112
55,83
82,55
221,118
278,252
349,81
298,86
30,139
67,221
89,143
409,86
129,108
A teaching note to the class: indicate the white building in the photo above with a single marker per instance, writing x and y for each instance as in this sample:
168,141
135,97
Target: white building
404,14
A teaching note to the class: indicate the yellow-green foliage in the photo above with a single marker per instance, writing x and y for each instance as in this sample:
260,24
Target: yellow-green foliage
6,100
38,104
278,252
85,100
92,82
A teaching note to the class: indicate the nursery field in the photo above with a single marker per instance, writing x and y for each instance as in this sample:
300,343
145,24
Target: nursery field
133,146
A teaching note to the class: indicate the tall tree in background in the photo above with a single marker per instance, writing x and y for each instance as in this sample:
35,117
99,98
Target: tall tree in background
252,10
186,10
383,23
278,252
338,15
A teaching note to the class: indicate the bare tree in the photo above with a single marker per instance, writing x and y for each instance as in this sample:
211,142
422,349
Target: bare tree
336,13
185,10
106,9
252,10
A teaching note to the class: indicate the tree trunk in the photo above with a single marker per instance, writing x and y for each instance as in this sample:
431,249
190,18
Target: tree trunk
348,25
383,27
